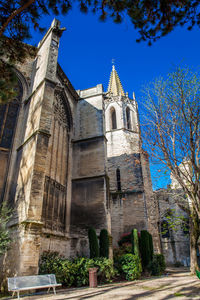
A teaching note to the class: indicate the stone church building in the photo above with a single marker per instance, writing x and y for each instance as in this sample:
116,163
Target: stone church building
70,160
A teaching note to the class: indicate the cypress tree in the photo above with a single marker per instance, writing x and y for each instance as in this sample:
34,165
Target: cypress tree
145,248
104,243
151,245
93,243
132,240
136,242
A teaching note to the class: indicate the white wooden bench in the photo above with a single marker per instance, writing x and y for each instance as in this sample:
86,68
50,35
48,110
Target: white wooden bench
24,283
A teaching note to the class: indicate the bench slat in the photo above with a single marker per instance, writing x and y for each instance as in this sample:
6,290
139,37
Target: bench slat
37,287
31,282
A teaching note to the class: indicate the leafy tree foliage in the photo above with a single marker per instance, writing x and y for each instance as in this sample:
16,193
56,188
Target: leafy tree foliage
172,137
5,240
152,19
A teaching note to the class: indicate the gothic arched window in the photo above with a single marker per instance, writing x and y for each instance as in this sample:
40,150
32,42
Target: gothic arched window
128,118
8,118
8,122
113,119
55,192
118,177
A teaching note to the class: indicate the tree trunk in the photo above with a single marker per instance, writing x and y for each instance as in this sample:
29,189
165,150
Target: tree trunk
194,235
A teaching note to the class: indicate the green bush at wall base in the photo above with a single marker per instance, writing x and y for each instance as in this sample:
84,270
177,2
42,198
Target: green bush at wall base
118,252
93,242
157,265
75,272
130,266
161,260
104,243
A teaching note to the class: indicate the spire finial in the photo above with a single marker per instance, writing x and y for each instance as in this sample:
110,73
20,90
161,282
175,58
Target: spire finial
113,64
115,86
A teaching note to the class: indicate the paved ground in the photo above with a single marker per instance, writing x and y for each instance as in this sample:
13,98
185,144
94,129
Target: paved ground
178,284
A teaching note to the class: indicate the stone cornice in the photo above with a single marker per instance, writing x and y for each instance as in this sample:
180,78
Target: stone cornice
89,139
39,131
90,177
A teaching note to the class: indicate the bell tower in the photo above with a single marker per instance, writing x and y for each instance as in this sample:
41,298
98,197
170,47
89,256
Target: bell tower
122,126
130,188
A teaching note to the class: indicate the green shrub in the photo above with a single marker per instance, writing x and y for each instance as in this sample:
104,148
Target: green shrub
75,272
93,242
52,262
161,260
124,249
157,265
130,266
105,269
104,243
145,248
154,267
80,271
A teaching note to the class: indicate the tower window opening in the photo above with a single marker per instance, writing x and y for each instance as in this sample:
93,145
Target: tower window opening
128,118
118,179
113,119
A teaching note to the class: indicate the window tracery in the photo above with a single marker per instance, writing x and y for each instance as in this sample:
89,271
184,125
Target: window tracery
60,113
55,191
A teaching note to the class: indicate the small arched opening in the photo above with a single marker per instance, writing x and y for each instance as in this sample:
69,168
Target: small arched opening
113,119
128,118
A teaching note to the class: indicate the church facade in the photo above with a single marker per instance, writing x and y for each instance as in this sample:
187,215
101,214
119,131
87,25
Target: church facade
70,160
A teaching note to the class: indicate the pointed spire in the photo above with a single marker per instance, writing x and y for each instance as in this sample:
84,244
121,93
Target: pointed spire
115,86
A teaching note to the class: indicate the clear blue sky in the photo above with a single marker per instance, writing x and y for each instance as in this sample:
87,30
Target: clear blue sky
88,46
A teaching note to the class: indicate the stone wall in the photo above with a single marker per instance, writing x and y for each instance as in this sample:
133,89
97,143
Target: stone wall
175,242
89,184
128,211
130,172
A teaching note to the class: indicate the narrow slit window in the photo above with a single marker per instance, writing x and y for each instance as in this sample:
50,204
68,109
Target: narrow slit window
128,118
113,119
118,179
